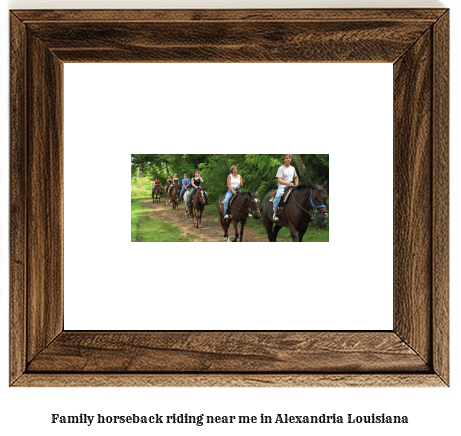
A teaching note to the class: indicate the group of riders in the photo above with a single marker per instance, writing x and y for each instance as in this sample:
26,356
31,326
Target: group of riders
286,174
308,200
188,184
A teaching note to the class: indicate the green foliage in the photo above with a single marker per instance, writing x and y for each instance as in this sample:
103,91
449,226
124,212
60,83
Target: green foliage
257,170
141,187
145,229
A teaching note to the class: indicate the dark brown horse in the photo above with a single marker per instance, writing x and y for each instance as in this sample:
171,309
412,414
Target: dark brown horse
174,196
157,194
243,204
306,200
167,193
198,204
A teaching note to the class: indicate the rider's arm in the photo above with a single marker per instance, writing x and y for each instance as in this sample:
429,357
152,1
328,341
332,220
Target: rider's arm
284,183
241,181
229,182
296,180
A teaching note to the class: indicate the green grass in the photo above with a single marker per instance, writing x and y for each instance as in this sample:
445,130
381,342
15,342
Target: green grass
145,229
313,233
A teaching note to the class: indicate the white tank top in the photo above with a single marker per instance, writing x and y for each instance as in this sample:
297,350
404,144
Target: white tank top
235,183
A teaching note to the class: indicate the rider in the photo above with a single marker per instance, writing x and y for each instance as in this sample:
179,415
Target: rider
175,179
185,185
169,184
156,185
195,182
234,183
285,175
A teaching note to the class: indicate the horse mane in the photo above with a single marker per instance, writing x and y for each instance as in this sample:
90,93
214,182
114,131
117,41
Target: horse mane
308,185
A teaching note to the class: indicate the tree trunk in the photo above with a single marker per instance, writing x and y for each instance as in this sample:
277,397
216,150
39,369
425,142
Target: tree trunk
300,166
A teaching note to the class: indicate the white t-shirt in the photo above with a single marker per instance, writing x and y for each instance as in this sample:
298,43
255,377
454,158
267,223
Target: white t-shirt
235,182
287,174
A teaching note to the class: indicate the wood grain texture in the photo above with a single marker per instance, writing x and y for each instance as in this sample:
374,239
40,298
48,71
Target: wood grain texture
240,352
44,197
204,15
413,196
441,198
241,41
230,380
18,211
414,354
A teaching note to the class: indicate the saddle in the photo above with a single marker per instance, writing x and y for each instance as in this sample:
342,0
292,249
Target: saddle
234,196
285,196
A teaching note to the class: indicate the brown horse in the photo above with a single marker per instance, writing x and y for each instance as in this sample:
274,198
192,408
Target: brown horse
167,193
198,204
157,194
240,209
306,200
174,196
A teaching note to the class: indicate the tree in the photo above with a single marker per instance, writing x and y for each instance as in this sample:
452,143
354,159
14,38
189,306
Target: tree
300,165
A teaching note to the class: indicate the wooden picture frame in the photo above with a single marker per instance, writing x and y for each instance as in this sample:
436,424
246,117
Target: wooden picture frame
414,353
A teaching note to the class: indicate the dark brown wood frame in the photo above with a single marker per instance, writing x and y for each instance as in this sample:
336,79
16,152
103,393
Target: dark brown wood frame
414,353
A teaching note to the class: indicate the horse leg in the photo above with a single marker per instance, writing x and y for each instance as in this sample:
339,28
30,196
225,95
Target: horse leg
294,234
236,230
242,225
227,223
226,232
276,231
267,223
302,232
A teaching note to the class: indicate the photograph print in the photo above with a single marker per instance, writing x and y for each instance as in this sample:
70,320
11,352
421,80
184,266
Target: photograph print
229,197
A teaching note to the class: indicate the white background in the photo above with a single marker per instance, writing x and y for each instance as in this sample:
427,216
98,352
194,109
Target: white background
429,410
344,110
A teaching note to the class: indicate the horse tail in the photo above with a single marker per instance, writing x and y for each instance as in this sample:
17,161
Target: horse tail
221,219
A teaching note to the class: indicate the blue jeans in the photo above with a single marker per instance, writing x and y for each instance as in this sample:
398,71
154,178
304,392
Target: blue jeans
192,190
183,189
227,199
154,188
278,196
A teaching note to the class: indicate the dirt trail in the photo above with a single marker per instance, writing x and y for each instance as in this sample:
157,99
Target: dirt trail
209,232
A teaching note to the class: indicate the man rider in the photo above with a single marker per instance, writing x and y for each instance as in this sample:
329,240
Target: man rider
285,175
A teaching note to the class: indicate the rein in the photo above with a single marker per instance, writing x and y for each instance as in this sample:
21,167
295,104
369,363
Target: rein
247,211
200,197
314,207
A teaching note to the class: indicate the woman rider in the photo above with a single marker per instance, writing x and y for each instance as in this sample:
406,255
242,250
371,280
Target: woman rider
169,183
234,183
195,182
156,184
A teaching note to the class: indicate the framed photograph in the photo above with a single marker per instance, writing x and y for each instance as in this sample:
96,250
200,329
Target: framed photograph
415,352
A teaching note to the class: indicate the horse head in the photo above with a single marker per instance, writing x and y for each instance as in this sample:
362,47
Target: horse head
200,195
319,197
253,205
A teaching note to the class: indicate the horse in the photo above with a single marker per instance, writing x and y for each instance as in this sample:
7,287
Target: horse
306,200
186,202
157,194
167,193
198,204
243,203
174,196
